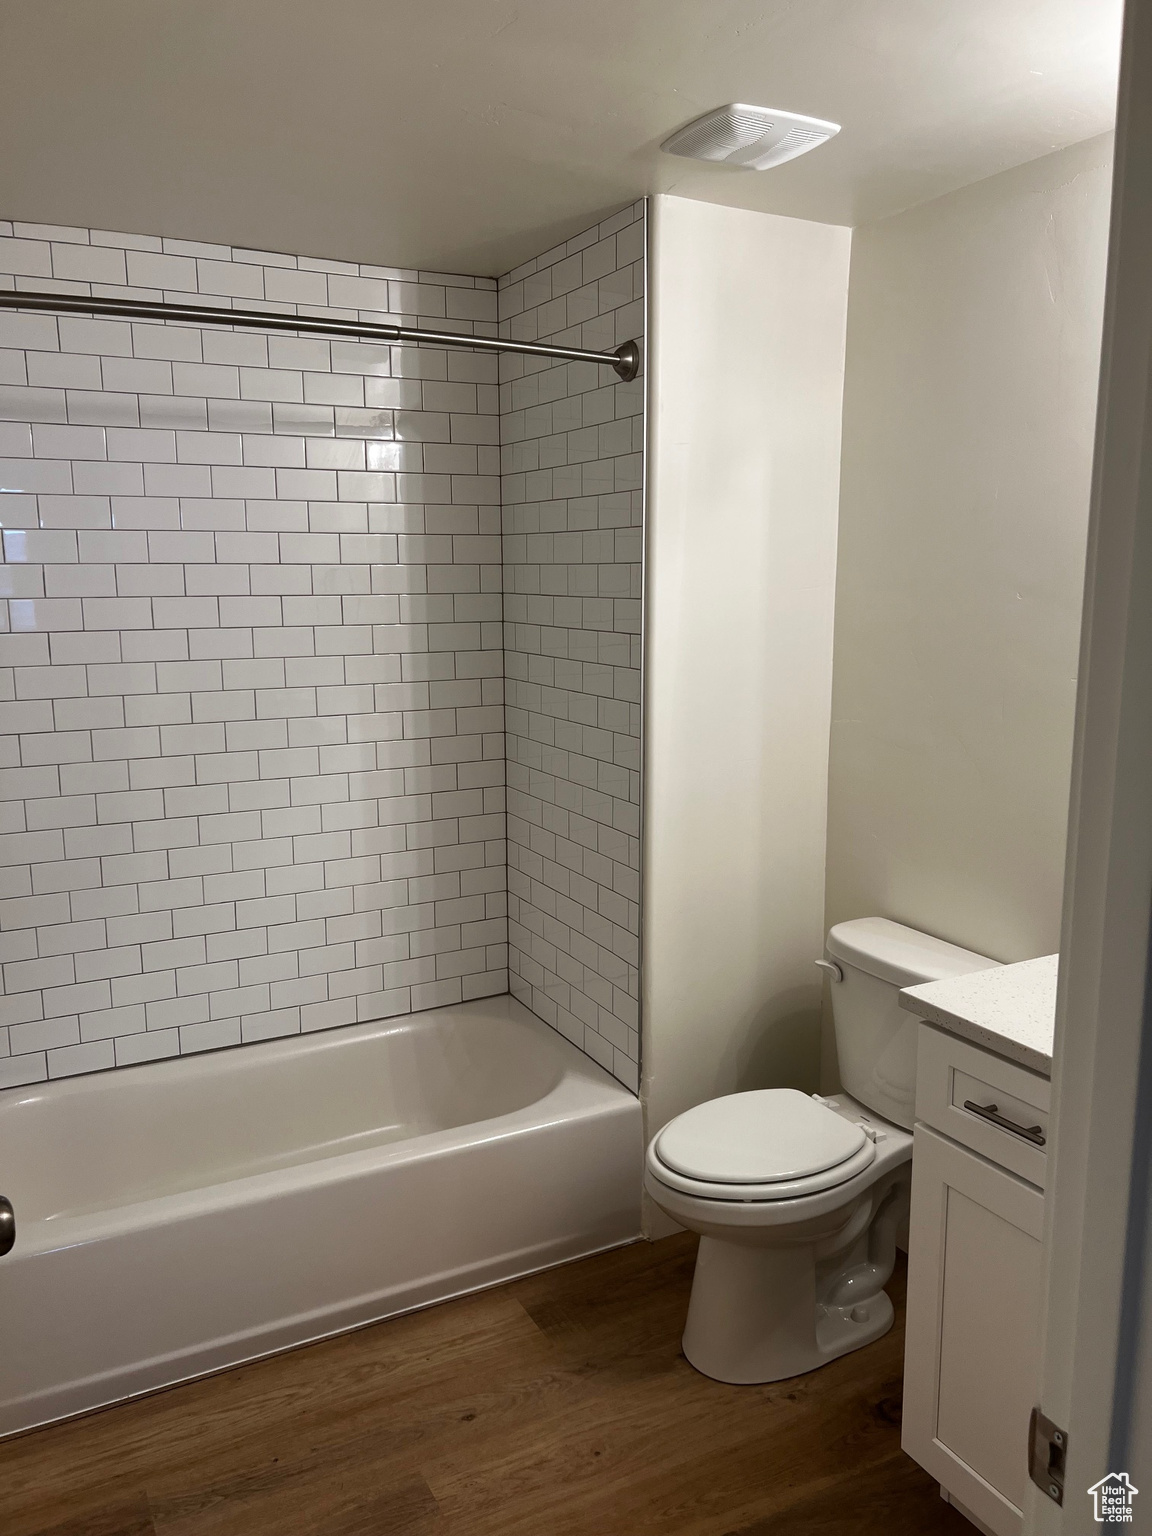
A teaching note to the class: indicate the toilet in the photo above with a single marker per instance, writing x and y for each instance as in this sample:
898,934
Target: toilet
799,1200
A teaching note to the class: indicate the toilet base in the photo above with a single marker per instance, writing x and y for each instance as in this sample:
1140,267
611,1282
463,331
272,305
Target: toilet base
754,1316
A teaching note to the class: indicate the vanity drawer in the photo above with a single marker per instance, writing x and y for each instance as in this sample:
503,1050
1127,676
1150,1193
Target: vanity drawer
968,1093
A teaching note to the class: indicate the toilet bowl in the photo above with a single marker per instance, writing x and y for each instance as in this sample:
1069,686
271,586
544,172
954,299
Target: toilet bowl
791,1270
799,1200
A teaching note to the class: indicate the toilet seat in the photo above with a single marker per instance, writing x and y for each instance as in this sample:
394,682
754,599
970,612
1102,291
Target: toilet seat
770,1144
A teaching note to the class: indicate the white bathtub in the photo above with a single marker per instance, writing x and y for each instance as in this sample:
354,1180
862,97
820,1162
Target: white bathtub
186,1215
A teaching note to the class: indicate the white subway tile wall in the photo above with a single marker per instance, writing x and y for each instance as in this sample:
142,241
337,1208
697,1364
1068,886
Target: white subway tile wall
251,677
572,460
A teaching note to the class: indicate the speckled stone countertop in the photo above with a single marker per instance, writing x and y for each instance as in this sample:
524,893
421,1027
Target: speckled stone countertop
1010,1010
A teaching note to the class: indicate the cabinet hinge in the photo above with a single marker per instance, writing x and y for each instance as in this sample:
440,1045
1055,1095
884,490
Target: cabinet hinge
1047,1455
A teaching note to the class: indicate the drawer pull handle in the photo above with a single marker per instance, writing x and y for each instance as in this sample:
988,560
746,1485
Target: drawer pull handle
1032,1133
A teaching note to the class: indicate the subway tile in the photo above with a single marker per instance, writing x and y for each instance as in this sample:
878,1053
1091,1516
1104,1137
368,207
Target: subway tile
239,415
19,1070
205,1035
94,407
177,480
153,1045
235,279
136,375
146,269
359,293
330,604
196,248
271,384
63,370
31,404
91,479
31,332
26,258
243,348
104,338
176,343
296,287
38,476
88,263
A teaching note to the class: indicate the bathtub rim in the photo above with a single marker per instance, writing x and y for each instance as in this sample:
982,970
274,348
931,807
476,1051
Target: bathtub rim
582,1090
279,1183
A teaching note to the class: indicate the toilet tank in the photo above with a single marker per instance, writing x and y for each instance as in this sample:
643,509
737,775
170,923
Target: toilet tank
875,1037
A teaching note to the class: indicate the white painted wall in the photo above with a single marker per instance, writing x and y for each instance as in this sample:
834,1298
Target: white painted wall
973,346
746,384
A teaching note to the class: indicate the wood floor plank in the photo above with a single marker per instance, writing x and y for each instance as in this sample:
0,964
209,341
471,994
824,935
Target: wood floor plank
648,1407
321,1503
891,1498
318,1401
635,1458
559,1403
132,1517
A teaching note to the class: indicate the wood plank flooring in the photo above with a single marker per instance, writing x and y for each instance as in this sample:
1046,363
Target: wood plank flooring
559,1405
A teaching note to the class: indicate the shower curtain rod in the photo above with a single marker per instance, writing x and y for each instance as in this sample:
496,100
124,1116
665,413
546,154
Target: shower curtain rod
625,359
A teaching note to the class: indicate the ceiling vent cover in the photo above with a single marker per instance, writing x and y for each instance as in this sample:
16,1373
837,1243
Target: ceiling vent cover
753,137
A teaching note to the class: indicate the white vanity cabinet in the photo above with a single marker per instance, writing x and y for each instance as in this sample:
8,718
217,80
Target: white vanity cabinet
972,1347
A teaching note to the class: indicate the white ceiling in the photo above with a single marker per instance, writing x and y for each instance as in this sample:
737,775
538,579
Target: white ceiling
468,135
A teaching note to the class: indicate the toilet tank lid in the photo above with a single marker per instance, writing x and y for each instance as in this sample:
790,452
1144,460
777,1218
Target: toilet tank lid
900,955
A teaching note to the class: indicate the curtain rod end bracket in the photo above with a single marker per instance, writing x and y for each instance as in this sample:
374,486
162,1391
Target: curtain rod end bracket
627,363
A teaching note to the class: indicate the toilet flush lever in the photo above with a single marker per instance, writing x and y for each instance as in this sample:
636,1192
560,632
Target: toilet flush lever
830,968
7,1225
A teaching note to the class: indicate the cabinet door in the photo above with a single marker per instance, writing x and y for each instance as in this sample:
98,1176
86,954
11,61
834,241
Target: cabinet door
972,1346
